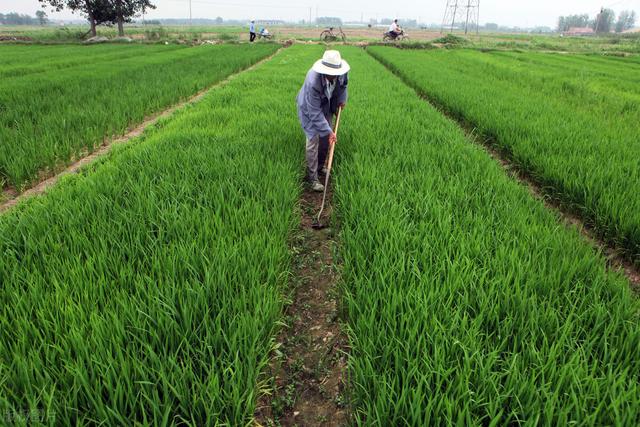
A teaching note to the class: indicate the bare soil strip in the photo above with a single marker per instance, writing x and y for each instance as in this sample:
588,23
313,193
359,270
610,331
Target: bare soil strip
309,365
10,196
617,260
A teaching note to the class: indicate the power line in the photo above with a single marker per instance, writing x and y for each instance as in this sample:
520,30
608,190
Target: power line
461,11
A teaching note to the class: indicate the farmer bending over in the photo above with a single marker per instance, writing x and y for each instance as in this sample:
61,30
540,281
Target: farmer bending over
323,92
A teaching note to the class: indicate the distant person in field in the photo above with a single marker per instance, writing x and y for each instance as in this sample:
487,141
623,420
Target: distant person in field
323,92
394,29
252,31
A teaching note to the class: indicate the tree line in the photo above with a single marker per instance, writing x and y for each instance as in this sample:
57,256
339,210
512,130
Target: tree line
102,12
20,19
604,22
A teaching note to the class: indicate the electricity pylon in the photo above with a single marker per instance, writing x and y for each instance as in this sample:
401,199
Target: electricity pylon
461,12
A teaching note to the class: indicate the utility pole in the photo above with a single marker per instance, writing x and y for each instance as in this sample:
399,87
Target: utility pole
597,29
466,23
190,15
310,15
461,10
453,16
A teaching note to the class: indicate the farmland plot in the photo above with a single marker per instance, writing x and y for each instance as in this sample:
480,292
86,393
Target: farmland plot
591,84
72,56
573,138
48,118
147,289
467,302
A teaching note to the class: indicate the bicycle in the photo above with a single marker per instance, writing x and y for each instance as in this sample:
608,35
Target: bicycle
329,36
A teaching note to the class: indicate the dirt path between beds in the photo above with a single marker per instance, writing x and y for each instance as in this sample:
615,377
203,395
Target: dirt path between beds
11,197
309,365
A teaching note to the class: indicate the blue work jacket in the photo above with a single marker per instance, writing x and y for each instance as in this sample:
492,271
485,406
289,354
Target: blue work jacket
314,108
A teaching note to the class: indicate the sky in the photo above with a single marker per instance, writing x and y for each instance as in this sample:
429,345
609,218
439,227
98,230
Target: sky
521,13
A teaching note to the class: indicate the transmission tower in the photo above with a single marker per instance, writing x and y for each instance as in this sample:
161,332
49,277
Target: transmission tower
461,12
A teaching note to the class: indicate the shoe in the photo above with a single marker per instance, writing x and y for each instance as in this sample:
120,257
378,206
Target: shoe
316,186
323,171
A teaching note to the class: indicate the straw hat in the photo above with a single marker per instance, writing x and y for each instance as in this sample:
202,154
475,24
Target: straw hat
331,64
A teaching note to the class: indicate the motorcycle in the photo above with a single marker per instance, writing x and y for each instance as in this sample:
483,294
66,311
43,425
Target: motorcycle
395,37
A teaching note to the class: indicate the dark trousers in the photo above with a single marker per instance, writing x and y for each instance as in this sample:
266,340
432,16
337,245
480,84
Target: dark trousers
252,36
323,150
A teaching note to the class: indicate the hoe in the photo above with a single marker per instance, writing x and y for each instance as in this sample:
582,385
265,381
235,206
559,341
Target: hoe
317,225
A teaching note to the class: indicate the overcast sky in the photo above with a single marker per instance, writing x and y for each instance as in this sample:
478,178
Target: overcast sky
522,13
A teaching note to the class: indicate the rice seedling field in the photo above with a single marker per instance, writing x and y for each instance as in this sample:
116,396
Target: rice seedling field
571,122
50,117
467,303
59,57
149,289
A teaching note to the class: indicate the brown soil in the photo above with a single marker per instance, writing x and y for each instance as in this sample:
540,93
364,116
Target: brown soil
15,39
309,364
10,196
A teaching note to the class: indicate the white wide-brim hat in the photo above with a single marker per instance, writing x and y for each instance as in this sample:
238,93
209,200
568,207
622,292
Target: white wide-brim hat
331,64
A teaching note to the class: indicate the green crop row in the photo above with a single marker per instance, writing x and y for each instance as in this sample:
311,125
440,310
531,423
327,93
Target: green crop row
13,54
467,302
48,118
585,154
601,86
147,289
77,56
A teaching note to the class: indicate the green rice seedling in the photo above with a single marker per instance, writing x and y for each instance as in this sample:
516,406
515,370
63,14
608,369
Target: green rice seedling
570,134
468,303
73,56
147,289
49,118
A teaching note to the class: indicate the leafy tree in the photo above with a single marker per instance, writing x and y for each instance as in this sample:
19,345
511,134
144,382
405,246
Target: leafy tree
97,12
42,17
604,21
572,21
626,20
13,18
125,10
106,12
